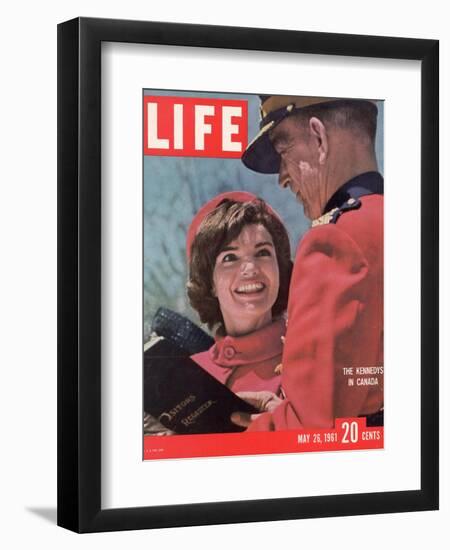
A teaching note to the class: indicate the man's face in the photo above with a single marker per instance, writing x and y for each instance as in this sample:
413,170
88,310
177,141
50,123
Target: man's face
299,167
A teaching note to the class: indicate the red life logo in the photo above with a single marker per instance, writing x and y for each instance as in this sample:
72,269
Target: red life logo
194,127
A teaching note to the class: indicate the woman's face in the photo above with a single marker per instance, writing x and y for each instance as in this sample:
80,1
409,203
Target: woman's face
246,280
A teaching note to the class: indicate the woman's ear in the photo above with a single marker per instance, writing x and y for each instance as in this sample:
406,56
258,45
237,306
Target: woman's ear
213,291
319,133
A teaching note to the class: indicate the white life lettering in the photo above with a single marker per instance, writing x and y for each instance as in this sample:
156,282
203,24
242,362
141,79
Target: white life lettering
201,127
178,126
152,117
229,129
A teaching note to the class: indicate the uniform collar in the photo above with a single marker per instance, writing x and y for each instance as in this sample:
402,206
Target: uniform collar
261,345
369,183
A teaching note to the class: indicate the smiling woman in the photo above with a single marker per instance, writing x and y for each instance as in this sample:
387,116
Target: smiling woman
239,274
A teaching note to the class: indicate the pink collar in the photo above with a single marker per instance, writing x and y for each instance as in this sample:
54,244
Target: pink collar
261,345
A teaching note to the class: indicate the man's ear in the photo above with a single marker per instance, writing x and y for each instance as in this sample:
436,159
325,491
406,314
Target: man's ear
319,133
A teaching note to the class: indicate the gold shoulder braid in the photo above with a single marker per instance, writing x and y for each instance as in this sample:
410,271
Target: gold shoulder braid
333,215
325,218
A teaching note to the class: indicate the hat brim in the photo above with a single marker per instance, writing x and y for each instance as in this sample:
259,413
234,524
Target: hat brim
260,154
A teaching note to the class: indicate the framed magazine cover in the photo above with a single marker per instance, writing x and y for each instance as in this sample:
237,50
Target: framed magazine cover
129,192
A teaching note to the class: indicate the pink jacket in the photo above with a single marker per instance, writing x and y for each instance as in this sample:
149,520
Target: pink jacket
247,363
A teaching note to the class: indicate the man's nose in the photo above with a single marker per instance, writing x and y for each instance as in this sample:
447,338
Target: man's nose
283,176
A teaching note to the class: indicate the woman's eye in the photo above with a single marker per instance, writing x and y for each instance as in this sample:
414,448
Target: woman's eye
264,252
229,258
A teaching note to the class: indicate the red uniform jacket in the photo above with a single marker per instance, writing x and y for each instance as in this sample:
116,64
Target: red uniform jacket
247,363
335,321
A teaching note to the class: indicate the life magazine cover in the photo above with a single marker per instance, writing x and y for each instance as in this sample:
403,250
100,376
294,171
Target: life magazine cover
263,274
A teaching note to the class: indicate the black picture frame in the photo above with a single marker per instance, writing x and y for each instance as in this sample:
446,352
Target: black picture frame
79,274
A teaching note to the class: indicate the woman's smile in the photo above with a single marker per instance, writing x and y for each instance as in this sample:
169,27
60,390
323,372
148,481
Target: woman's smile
251,288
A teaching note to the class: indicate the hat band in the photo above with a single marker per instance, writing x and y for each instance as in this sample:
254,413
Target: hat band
277,116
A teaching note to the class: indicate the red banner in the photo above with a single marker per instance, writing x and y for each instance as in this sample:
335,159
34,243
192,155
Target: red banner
194,127
349,434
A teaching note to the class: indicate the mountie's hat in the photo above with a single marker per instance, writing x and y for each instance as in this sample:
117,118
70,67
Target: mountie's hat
260,155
